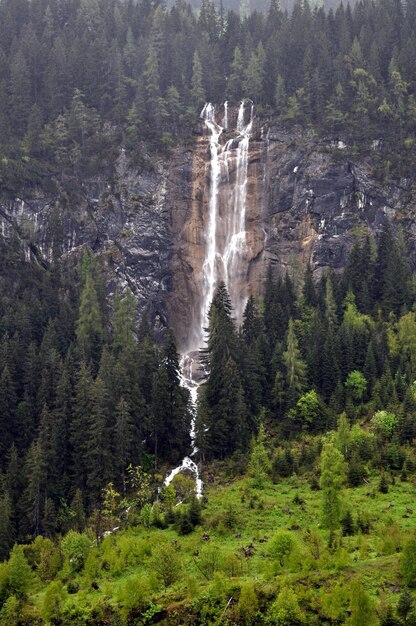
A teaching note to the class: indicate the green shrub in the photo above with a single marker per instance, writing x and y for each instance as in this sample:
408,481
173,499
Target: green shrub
20,577
408,562
10,612
285,610
209,561
248,604
45,557
53,602
75,547
133,596
281,546
166,563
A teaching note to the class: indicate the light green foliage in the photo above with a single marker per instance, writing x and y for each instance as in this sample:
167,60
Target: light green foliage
356,384
384,424
334,603
10,612
146,515
20,577
247,604
168,496
392,539
133,595
184,487
166,563
285,610
111,506
361,605
4,567
362,443
307,411
75,547
343,434
408,562
209,561
259,464
333,473
45,556
406,335
93,565
140,483
53,602
281,546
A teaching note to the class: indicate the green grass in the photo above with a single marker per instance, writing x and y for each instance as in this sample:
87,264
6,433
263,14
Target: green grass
216,559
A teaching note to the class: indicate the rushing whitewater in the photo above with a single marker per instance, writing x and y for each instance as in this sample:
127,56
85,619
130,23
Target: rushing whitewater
225,241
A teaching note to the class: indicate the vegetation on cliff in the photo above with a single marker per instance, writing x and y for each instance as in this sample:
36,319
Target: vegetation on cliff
79,79
322,377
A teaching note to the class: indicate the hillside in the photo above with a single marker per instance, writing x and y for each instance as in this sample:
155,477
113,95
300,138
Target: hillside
255,556
207,314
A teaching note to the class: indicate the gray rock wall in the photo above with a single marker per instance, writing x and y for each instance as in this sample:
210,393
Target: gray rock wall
307,201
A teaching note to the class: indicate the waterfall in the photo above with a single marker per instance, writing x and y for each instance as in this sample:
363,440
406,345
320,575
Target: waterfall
233,255
225,237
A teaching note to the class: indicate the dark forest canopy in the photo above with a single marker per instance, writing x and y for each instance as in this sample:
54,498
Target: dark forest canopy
80,78
82,397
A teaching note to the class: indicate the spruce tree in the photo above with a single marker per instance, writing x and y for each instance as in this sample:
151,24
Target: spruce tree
294,365
333,474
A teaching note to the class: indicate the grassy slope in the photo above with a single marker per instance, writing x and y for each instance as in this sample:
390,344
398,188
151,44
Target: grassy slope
214,566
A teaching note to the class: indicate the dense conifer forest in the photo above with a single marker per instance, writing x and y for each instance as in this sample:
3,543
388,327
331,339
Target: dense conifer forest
306,416
86,439
79,78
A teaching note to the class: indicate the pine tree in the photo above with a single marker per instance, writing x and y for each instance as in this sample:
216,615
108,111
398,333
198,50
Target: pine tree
294,365
333,474
7,531
308,291
80,424
197,88
259,463
7,410
124,441
234,84
35,471
77,508
98,442
124,321
90,332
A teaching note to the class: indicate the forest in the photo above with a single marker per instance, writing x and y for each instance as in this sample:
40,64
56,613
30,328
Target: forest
319,383
306,415
79,78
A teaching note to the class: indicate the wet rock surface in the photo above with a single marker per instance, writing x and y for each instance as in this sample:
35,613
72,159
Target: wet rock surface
124,219
307,200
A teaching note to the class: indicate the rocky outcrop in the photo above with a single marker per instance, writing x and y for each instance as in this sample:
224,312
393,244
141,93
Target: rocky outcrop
307,200
123,218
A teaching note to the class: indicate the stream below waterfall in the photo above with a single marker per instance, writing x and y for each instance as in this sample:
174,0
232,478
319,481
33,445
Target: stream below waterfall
225,240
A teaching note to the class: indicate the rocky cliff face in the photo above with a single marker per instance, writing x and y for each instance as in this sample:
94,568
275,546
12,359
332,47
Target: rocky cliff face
306,201
124,218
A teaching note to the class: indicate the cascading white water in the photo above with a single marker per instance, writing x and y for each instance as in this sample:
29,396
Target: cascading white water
209,268
225,237
187,380
225,119
234,266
